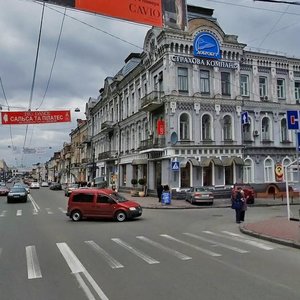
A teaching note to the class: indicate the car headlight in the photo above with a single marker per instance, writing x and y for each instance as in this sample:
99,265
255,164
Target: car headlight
132,208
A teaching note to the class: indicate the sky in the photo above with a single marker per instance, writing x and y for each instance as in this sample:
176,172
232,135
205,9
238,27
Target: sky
91,48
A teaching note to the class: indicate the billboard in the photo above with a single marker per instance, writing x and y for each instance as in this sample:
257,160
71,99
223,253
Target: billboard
175,14
35,117
146,11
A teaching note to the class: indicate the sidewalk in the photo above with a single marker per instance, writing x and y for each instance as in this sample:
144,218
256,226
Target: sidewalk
279,230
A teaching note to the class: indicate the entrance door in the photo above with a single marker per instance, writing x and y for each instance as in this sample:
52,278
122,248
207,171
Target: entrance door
229,175
186,176
207,175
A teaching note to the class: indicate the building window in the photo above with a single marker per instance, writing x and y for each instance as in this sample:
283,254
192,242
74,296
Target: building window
184,127
284,134
297,91
280,88
248,171
247,131
265,129
244,85
227,128
183,80
225,81
263,87
204,82
206,127
269,170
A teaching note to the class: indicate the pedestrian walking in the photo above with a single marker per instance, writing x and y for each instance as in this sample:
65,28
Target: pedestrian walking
159,192
237,205
244,206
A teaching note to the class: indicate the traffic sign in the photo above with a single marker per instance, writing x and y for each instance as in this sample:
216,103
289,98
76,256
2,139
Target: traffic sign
293,119
298,144
175,165
245,118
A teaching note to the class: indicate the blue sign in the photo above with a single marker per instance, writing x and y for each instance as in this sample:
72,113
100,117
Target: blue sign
206,45
298,144
245,118
293,119
175,165
166,198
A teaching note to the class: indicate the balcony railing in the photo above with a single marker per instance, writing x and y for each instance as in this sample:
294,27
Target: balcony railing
152,101
107,126
107,155
152,143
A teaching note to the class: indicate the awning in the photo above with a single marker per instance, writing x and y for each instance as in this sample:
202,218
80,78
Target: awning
205,162
140,161
193,161
228,161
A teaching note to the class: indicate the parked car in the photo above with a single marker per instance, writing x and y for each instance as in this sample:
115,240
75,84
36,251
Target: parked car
4,190
55,186
199,195
248,192
44,184
70,187
101,203
34,185
17,194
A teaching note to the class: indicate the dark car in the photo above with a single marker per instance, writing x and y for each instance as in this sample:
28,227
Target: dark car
200,195
4,190
17,194
54,186
248,192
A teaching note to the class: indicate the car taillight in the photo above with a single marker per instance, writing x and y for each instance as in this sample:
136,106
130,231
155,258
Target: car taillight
198,195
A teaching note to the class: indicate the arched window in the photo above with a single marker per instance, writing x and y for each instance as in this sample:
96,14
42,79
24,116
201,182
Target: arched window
133,138
269,170
206,127
248,171
284,134
184,127
247,131
227,128
265,129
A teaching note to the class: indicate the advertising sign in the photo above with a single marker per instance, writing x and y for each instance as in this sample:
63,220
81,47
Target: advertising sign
279,172
175,14
35,117
147,12
293,119
206,45
160,127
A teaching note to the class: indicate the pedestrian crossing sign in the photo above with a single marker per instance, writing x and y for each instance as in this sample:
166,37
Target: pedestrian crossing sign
175,165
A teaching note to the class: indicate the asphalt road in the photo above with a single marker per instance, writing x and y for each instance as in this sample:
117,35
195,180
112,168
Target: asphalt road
166,254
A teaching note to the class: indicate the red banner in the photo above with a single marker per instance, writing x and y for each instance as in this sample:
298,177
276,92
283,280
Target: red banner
143,11
161,127
35,117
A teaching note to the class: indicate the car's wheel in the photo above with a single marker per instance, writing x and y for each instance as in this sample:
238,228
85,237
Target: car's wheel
76,216
192,201
120,216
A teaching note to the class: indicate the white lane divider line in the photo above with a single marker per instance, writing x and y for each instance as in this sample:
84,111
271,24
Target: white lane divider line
33,267
76,268
138,253
164,248
3,213
62,210
113,263
49,212
241,239
36,208
216,243
211,253
19,212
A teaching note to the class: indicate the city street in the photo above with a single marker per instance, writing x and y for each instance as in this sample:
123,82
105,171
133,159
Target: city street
165,254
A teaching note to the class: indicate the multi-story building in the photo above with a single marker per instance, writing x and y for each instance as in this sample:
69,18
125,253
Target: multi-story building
194,108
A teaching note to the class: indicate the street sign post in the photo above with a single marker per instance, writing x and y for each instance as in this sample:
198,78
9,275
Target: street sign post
175,165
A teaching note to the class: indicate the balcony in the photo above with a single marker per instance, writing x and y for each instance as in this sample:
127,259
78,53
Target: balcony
152,101
107,126
108,155
152,143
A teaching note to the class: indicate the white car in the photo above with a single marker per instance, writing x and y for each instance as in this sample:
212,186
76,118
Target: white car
34,185
44,184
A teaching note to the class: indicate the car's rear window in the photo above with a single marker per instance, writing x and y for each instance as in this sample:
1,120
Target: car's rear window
18,190
82,197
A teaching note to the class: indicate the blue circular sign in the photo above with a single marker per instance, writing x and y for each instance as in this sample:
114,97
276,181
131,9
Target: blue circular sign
206,45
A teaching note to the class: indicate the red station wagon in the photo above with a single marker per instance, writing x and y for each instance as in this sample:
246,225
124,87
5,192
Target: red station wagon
101,203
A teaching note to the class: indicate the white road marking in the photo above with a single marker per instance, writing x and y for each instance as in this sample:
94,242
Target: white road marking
62,210
216,243
49,212
140,254
242,240
19,212
36,208
164,248
211,253
114,264
3,213
33,267
76,267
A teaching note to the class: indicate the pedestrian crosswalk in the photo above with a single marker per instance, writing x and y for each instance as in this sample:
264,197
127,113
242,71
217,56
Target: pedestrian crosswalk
32,212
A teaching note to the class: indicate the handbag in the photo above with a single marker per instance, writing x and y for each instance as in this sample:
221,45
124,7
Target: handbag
236,204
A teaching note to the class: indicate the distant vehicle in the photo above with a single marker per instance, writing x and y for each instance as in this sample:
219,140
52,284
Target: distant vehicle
70,187
55,186
34,185
101,203
2,183
44,184
248,192
17,194
4,190
199,195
